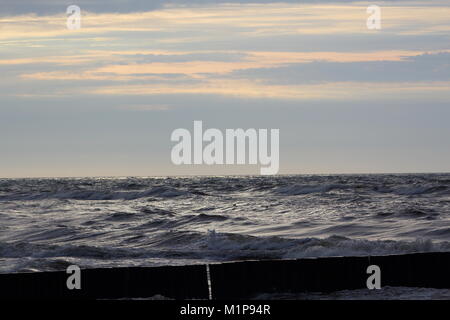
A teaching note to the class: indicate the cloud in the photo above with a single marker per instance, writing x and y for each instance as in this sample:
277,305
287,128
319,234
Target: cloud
432,67
281,50
153,65
334,91
45,7
141,107
176,23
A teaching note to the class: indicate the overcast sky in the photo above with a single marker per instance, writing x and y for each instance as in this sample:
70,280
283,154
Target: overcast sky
103,100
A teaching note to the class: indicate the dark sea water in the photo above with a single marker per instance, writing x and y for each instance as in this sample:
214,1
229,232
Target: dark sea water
47,224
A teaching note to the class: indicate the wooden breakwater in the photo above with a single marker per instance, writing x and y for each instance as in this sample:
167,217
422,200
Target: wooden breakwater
109,283
246,279
233,280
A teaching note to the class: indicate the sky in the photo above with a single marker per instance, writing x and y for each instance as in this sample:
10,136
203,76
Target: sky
103,100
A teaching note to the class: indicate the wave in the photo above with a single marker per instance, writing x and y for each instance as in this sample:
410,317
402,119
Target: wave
276,247
30,250
302,189
294,190
232,246
412,212
418,190
161,192
228,246
186,247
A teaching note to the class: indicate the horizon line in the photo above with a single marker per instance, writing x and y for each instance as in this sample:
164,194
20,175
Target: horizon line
226,175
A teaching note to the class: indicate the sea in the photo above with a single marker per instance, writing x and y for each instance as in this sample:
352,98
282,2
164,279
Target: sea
47,224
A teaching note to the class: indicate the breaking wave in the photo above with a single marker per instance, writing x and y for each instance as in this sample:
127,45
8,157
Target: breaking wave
198,247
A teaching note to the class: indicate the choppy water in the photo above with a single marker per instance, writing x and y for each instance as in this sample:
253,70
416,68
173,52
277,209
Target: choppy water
46,224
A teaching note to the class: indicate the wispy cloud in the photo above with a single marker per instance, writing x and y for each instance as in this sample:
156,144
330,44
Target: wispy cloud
163,51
